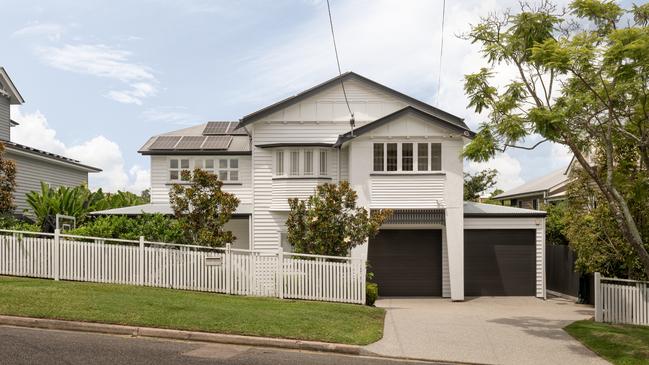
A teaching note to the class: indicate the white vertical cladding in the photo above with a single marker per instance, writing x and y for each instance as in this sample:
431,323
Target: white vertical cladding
535,223
452,164
160,178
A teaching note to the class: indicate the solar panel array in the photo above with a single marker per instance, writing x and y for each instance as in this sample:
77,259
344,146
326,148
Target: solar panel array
165,143
190,143
217,142
222,128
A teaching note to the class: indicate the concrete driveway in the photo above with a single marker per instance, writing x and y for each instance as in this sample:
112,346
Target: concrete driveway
487,330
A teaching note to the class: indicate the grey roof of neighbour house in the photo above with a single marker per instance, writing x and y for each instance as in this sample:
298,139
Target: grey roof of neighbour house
390,117
159,208
13,146
537,186
218,137
480,210
344,77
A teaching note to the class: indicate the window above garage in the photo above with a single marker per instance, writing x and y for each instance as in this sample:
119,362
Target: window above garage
406,157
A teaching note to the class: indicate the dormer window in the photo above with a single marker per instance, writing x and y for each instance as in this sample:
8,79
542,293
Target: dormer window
406,157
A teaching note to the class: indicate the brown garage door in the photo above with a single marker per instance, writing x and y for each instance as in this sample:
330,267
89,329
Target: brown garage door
407,262
499,262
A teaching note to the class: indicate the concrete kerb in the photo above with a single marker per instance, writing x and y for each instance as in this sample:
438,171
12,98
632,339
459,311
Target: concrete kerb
113,329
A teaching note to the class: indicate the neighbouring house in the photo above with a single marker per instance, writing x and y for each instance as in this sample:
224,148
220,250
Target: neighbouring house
33,165
403,154
538,192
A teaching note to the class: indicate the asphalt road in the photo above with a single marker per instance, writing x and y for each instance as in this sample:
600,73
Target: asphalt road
38,346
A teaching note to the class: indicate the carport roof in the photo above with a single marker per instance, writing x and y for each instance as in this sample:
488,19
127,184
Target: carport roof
480,210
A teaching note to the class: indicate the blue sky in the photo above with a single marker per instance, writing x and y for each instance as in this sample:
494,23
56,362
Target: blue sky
100,77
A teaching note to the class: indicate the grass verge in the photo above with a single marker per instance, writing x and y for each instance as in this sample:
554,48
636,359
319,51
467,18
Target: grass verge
194,311
619,344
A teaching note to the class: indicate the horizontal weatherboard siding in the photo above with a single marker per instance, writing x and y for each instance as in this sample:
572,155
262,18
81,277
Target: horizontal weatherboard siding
407,191
5,123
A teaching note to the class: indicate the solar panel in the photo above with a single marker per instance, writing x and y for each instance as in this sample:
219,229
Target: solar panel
216,128
236,132
217,142
190,143
164,143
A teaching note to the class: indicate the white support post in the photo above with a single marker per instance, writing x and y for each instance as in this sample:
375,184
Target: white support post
599,310
280,273
364,281
57,253
228,269
140,280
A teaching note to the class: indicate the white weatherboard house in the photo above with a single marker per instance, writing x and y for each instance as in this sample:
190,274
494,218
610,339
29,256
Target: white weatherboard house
403,154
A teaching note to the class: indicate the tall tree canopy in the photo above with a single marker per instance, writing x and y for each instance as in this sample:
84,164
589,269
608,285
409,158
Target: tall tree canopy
582,79
478,183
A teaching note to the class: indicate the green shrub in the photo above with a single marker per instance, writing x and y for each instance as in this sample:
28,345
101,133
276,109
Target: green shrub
371,293
154,227
12,223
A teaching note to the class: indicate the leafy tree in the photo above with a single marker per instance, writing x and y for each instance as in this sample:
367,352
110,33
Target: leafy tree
7,183
329,223
203,208
581,81
556,223
154,227
475,184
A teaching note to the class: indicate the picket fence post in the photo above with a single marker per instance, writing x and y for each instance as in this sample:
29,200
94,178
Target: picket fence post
228,269
363,281
598,298
57,253
140,280
280,273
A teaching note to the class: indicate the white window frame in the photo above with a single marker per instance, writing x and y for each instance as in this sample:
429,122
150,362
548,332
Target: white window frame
415,157
285,156
193,164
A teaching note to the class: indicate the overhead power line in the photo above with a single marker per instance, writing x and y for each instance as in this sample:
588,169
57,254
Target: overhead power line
441,54
342,84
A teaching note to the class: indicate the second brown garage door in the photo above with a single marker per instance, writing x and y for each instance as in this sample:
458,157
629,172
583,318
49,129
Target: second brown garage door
407,262
499,262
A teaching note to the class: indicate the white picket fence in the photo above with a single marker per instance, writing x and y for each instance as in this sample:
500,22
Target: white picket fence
621,301
221,270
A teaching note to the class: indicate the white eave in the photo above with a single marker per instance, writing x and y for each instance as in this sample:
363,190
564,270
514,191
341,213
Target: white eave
160,208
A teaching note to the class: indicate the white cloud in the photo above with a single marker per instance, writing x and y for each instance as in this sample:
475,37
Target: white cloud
52,31
509,170
561,155
98,151
172,114
106,62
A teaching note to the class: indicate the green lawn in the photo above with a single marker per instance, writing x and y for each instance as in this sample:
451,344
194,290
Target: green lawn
616,343
167,308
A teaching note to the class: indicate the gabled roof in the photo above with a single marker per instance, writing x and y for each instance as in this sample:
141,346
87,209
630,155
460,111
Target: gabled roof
537,186
344,77
13,146
390,117
222,137
480,210
10,89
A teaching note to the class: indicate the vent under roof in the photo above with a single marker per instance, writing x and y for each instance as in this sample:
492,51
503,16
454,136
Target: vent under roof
222,128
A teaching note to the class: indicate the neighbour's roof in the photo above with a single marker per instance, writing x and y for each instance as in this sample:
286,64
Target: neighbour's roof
9,88
344,77
390,117
13,146
218,137
480,210
537,186
159,208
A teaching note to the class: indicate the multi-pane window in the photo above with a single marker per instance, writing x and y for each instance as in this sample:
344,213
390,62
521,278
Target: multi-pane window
323,162
422,156
392,156
406,157
227,169
378,157
436,156
295,163
308,162
279,163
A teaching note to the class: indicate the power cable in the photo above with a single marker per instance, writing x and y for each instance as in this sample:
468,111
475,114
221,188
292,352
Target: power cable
441,54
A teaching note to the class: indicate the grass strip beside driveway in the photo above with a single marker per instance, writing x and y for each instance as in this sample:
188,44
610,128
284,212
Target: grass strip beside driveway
193,311
619,344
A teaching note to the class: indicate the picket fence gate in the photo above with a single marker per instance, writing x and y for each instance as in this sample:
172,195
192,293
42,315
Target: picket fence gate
220,270
621,301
